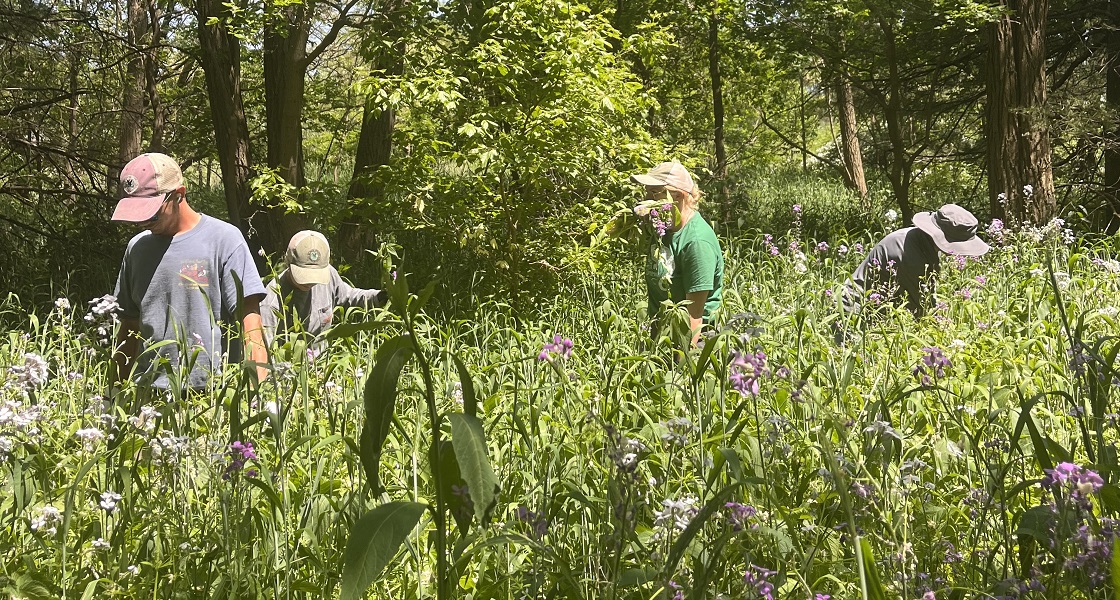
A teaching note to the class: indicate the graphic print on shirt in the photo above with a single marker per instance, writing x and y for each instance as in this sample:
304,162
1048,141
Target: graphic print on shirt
195,273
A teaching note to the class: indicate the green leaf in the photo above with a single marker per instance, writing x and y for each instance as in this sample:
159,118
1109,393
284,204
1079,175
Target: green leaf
1037,522
1116,568
869,574
451,475
695,525
380,400
469,440
470,400
374,542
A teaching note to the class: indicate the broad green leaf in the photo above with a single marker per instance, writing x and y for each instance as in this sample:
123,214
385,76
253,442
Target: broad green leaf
470,401
469,439
380,400
374,542
1116,568
869,574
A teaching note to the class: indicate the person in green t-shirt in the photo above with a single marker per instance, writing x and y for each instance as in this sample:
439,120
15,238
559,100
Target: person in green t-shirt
685,260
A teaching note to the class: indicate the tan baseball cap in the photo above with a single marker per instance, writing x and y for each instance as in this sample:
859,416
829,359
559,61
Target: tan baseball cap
672,174
145,183
308,258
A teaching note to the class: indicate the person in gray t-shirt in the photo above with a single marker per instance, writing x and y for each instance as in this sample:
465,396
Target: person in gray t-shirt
903,264
309,289
180,280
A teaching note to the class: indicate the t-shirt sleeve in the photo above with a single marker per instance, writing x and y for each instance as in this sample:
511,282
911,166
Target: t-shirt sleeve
239,266
123,290
698,267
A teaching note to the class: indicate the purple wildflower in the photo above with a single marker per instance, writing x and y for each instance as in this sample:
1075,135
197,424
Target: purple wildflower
238,454
759,578
746,370
559,345
739,514
538,523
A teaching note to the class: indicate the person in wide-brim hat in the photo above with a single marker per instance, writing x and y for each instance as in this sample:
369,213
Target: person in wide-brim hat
901,267
953,230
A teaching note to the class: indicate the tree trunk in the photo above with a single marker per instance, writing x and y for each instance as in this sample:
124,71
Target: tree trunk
849,139
717,113
285,67
151,64
1107,216
375,141
1020,176
132,97
899,173
220,54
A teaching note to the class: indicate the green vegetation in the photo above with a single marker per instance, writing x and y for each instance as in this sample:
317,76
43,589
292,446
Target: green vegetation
970,454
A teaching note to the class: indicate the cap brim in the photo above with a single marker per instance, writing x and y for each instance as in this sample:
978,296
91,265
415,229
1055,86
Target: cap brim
973,246
647,180
308,276
137,209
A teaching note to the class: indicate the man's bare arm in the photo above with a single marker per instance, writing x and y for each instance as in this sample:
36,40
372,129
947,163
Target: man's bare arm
255,348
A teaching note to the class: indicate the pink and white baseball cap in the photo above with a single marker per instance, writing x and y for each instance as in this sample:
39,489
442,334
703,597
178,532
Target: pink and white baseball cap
145,182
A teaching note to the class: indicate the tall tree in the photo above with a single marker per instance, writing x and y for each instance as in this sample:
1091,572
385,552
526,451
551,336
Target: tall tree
1020,173
134,88
1108,219
850,153
718,142
220,52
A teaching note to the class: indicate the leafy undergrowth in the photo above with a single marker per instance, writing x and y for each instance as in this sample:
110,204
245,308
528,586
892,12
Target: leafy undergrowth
968,454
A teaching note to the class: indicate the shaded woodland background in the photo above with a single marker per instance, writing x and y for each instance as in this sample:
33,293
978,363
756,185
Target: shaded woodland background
492,139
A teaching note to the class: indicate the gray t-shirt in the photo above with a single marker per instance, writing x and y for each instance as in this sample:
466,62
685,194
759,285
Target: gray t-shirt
902,264
182,289
315,307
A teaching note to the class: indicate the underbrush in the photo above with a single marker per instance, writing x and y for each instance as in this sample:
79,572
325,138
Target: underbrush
968,454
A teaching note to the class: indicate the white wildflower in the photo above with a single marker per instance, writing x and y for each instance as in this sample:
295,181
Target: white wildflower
146,420
677,514
1028,190
62,304
32,374
46,520
891,216
90,436
99,544
1063,279
109,501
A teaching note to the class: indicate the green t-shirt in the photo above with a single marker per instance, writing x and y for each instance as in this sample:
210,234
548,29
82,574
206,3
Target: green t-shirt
689,260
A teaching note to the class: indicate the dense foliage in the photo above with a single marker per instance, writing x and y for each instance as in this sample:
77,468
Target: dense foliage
971,454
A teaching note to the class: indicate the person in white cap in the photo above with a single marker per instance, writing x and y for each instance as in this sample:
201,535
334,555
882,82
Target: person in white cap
902,265
309,289
181,278
685,260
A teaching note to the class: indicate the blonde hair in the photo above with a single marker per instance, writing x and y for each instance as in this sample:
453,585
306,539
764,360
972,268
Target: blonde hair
693,196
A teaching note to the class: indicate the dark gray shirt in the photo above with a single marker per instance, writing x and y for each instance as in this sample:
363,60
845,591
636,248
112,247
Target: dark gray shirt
181,289
315,307
898,267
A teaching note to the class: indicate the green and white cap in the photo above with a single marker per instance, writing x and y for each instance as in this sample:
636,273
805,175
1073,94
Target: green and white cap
308,258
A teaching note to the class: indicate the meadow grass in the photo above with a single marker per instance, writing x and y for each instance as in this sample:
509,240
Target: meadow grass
967,454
